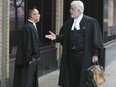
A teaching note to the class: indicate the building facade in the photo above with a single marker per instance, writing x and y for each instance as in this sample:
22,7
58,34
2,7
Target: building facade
53,14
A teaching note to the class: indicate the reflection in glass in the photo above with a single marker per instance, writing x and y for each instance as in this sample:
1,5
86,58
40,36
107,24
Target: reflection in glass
16,22
110,32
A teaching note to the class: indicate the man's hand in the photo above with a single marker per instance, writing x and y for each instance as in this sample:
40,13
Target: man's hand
51,36
30,62
94,58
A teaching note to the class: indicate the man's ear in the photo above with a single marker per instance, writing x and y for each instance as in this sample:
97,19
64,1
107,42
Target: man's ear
32,15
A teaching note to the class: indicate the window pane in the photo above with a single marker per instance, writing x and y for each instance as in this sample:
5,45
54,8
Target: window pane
16,22
110,30
48,20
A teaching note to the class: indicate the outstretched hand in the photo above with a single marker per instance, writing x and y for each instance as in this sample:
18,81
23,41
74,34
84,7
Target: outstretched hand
51,36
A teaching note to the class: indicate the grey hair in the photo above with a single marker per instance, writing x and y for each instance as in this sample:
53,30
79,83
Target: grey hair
79,5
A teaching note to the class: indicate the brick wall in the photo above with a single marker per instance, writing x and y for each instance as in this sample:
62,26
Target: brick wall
7,38
59,22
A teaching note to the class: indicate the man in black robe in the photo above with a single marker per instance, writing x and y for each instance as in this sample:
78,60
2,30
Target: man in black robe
28,54
81,40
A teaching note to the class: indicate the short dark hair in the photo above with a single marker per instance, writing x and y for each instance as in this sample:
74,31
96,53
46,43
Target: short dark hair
30,10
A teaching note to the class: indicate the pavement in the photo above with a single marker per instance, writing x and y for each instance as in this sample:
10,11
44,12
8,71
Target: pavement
51,79
110,75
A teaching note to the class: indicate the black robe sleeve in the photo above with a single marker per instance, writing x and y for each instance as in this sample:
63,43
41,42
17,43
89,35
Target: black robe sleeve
31,45
97,40
66,26
26,40
60,37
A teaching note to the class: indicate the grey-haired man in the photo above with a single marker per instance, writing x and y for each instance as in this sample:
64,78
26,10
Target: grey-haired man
81,39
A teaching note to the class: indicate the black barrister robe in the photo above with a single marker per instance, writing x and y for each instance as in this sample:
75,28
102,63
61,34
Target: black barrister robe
93,46
26,75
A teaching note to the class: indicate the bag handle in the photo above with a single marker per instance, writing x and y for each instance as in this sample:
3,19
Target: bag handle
96,63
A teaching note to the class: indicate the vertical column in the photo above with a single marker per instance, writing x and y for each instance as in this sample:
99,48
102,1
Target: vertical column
59,22
105,18
0,39
4,42
3,57
114,1
7,37
110,12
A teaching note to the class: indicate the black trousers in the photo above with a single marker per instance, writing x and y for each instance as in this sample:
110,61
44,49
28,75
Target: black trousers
75,63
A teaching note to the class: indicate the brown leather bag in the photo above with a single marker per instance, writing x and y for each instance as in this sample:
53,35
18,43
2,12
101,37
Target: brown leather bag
95,75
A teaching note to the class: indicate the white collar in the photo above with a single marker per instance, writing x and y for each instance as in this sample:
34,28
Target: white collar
33,23
79,18
76,22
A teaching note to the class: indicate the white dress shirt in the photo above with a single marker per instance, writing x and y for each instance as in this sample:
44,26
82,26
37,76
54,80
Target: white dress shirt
76,22
33,23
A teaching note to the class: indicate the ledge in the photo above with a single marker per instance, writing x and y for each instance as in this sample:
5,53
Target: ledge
110,43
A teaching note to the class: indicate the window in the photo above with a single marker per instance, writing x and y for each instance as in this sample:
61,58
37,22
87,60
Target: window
18,12
111,18
16,22
47,20
110,31
47,23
